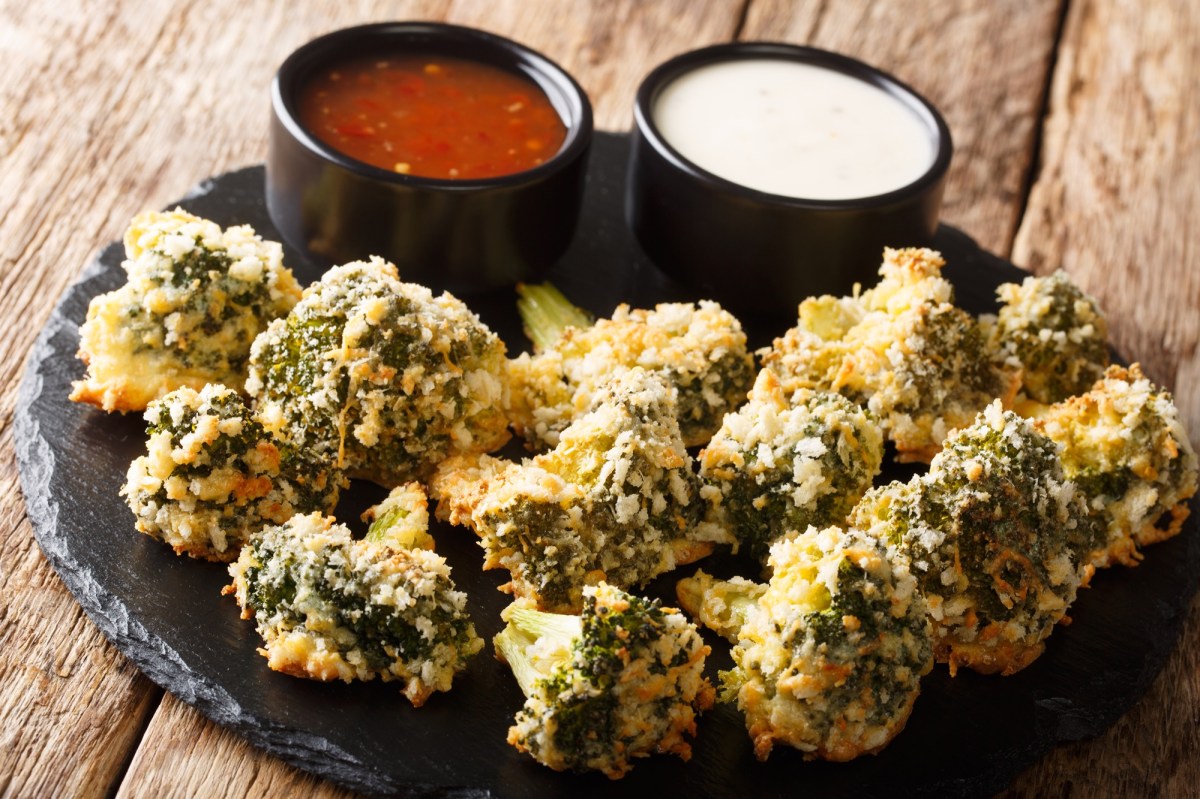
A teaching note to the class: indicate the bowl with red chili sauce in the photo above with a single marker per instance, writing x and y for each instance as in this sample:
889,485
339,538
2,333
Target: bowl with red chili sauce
456,154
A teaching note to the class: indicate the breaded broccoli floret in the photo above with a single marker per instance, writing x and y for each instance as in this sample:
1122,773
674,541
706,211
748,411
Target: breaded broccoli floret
829,654
331,607
211,475
699,348
615,500
998,539
1125,446
195,298
778,465
380,376
902,349
1056,332
625,679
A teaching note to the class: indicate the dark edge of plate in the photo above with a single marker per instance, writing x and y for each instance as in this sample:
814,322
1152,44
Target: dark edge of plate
1057,719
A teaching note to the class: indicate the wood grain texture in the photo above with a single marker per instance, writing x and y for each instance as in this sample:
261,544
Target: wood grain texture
983,63
185,754
1115,204
71,707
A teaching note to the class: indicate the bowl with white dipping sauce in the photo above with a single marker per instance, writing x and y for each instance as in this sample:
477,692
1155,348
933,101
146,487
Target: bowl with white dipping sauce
763,173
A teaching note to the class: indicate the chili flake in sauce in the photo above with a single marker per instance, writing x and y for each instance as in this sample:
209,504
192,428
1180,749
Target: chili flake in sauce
432,116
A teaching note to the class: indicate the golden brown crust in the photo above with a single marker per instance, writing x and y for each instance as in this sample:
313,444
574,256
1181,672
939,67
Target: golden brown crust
987,656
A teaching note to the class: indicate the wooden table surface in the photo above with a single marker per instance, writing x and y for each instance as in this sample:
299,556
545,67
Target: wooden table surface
1077,139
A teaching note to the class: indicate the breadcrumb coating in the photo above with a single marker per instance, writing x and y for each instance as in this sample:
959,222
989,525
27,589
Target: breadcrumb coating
830,656
1125,446
625,680
194,299
921,365
330,607
998,539
380,376
616,500
780,464
699,348
212,475
1056,332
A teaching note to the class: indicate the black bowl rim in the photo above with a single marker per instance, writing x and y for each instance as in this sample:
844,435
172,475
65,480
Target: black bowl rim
579,128
662,75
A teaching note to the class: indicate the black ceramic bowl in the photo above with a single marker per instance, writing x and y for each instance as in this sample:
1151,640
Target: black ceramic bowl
764,252
462,235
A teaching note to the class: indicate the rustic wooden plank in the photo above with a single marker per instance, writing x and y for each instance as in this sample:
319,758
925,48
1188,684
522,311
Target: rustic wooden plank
71,707
1115,205
983,63
187,755
608,46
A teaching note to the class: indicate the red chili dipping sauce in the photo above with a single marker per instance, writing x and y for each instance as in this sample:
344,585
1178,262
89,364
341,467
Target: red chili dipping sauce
432,116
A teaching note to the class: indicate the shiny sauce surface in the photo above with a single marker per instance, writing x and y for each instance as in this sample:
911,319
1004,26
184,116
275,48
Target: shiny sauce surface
432,116
794,129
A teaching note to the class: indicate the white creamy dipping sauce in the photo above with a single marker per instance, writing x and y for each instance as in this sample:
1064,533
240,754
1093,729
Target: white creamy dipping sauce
794,129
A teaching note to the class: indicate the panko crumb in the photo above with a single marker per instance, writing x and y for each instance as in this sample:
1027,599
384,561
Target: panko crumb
998,540
1125,445
194,300
616,500
780,464
381,377
212,475
699,348
921,365
832,652
1056,332
329,607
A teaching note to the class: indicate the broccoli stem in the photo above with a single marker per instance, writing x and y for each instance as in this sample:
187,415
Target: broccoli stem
379,529
546,313
527,627
391,525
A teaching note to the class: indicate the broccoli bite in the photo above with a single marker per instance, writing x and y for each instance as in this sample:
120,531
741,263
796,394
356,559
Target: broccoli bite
212,475
194,299
1056,332
380,376
829,654
778,465
402,518
625,679
615,500
699,348
331,607
922,366
1125,446
720,605
998,539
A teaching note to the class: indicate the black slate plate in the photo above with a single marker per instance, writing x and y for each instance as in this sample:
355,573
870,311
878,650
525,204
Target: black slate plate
968,736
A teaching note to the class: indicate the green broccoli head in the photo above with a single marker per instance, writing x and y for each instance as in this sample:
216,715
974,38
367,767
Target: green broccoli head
616,500
1057,332
699,349
998,539
778,465
829,654
331,607
212,475
381,376
622,680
